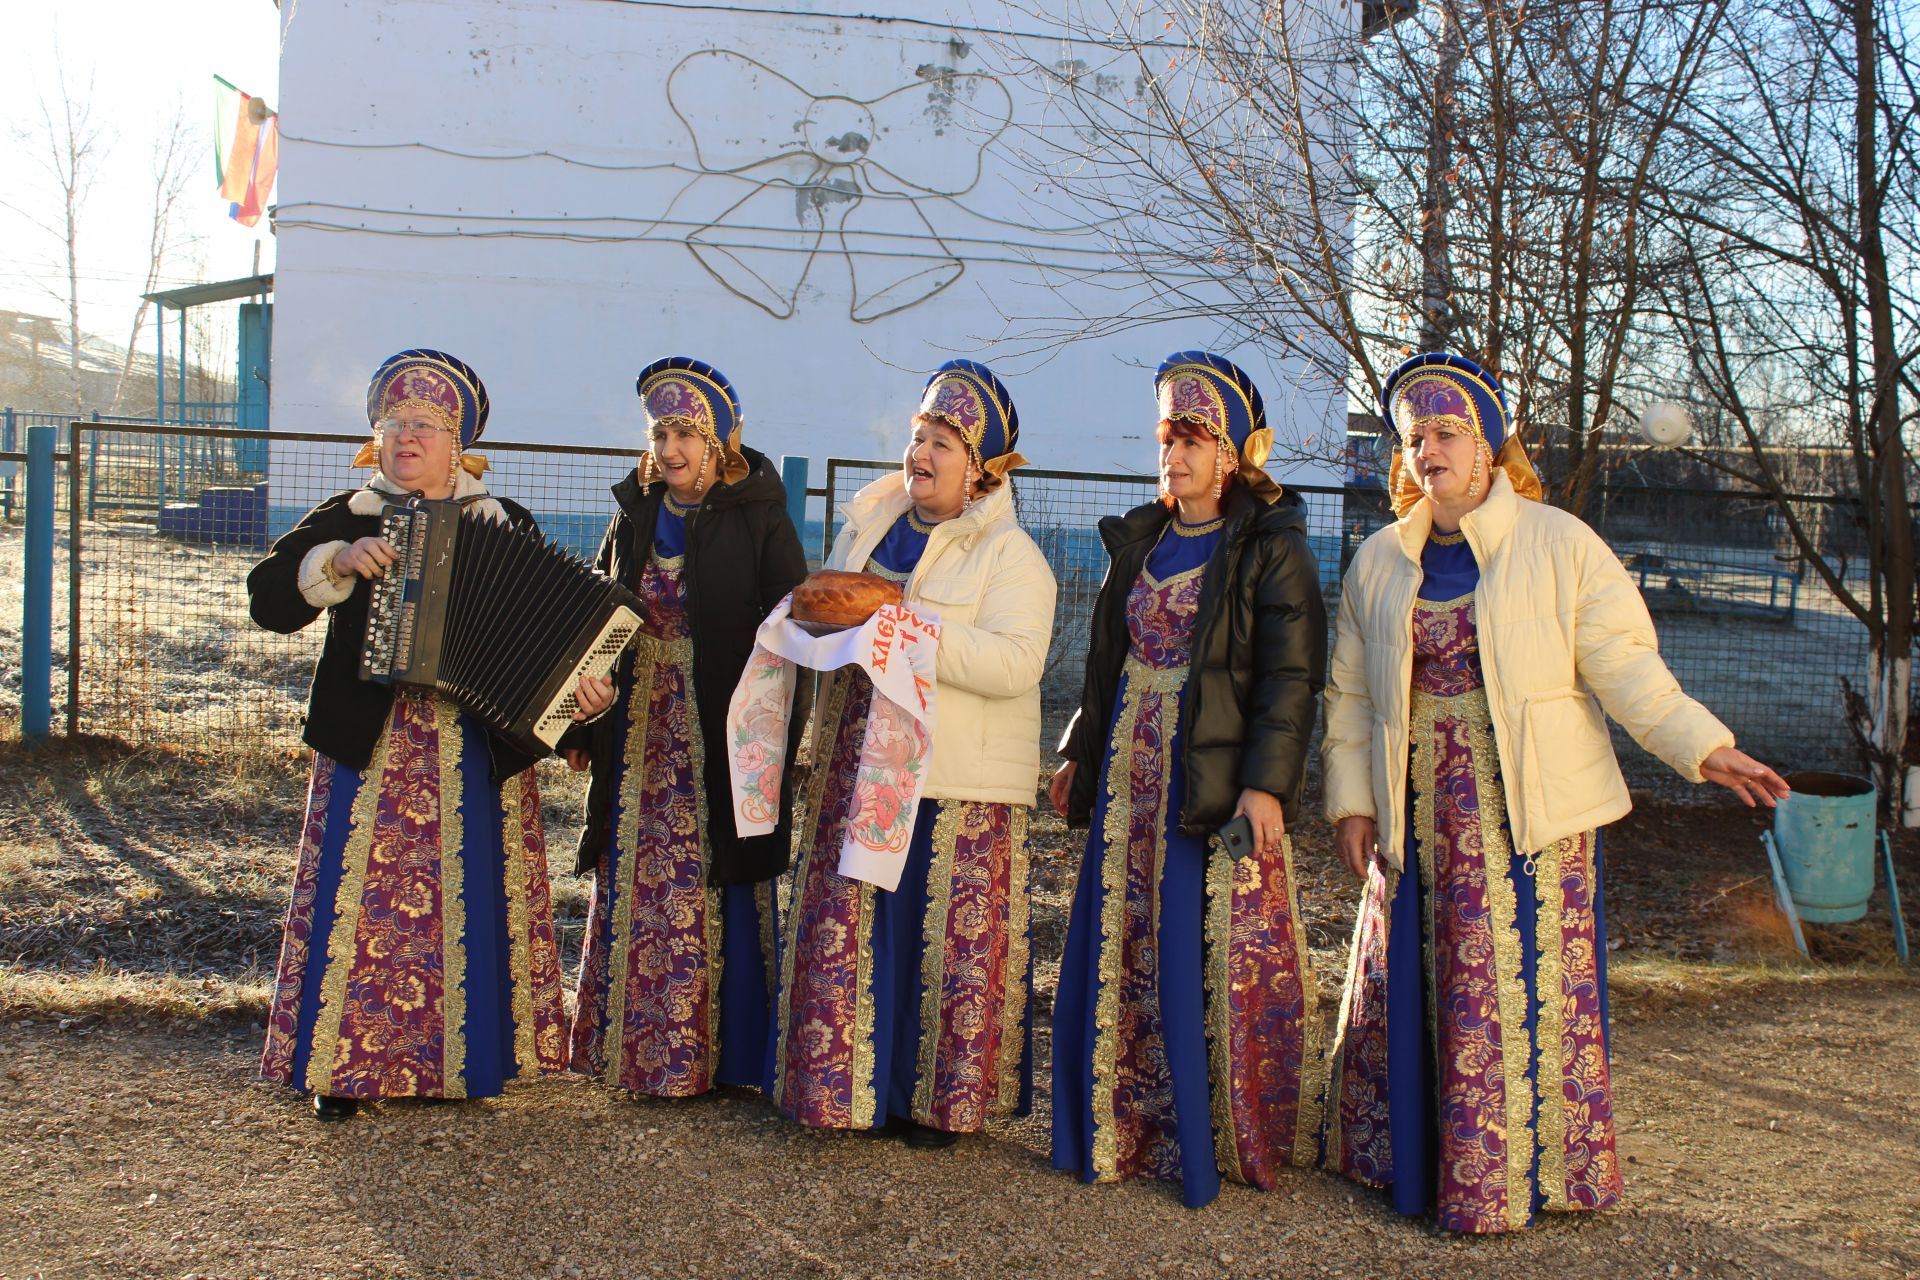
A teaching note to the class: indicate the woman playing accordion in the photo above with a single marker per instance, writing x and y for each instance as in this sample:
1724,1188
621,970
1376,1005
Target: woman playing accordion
419,956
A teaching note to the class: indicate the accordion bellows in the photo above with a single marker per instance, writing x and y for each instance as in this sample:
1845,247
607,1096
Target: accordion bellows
494,616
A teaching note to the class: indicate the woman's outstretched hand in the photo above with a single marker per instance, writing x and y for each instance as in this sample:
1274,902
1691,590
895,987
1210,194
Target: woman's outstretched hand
1358,842
1746,777
1062,784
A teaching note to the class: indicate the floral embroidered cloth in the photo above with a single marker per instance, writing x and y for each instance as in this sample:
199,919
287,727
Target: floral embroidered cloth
896,649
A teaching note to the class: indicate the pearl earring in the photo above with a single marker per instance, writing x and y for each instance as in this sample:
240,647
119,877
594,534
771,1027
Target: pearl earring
966,499
706,455
1219,471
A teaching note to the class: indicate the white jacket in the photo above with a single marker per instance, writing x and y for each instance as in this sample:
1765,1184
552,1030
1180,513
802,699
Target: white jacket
1559,624
993,592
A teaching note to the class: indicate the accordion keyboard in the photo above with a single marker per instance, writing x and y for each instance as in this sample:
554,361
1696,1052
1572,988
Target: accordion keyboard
598,660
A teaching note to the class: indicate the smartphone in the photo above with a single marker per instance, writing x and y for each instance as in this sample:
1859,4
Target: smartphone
1237,836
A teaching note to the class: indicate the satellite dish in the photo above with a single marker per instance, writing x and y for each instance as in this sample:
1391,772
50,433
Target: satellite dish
1666,424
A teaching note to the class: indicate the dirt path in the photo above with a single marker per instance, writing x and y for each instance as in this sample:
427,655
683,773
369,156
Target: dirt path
1775,1135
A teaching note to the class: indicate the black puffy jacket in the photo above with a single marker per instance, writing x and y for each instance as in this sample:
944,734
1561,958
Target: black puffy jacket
1259,660
743,556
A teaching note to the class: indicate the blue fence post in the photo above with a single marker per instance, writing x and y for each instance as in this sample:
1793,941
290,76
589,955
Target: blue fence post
36,611
793,477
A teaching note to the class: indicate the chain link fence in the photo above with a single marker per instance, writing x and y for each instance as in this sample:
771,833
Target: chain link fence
159,526
1747,627
157,611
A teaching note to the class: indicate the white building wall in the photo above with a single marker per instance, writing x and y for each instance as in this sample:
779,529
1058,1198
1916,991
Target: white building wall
435,152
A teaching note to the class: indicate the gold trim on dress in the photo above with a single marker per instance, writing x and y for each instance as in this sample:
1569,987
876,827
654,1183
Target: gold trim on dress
1453,539
680,654
861,1079
1549,994
620,876
1200,530
915,523
1516,1051
1113,907
1313,1064
1217,994
1013,1009
453,903
348,902
933,952
513,836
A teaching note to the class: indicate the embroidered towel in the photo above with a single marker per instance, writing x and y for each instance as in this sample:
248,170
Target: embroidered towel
896,649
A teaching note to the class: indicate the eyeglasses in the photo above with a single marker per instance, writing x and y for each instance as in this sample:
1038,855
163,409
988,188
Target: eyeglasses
417,430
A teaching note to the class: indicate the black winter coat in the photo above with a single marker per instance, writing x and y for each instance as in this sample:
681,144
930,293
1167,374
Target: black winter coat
345,714
1259,661
743,556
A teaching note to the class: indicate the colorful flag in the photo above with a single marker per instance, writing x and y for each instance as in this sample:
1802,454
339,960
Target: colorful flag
246,151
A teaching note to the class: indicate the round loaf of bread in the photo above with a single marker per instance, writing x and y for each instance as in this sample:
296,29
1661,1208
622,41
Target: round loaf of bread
833,599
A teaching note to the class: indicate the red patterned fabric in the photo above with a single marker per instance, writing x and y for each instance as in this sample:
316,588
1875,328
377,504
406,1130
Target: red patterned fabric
296,942
651,963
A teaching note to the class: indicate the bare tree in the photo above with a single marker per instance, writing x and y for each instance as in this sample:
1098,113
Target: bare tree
1799,310
172,153
1473,177
69,148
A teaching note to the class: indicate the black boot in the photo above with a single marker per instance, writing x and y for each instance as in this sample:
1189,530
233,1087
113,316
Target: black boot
330,1108
924,1138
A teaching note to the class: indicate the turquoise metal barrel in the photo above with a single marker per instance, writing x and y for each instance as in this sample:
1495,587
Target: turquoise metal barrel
1824,832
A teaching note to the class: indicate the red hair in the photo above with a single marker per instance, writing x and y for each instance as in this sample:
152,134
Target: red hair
1168,431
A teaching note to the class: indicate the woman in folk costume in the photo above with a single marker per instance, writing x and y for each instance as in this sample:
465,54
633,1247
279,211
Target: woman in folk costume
676,976
907,1009
1184,1026
1468,771
419,956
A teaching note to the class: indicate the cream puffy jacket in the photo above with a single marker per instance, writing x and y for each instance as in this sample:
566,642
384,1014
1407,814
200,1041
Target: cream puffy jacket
994,593
1562,633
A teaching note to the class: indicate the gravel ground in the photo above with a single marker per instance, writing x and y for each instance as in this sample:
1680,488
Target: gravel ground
1755,1142
1769,1109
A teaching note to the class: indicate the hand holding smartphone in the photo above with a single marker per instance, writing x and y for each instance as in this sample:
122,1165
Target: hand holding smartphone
1237,836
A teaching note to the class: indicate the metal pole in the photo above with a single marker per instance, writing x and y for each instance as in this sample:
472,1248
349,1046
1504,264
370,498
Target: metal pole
73,566
7,445
160,368
826,523
182,397
36,613
793,477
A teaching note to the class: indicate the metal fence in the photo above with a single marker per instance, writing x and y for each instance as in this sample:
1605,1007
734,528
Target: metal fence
1746,628
156,611
159,526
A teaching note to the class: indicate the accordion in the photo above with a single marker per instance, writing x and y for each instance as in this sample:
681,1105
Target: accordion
494,616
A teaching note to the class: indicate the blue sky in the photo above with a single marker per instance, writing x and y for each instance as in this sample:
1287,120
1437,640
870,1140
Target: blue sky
141,59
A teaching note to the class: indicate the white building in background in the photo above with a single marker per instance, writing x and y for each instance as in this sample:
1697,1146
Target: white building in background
823,203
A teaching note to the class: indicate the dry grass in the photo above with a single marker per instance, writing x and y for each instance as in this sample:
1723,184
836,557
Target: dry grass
136,997
1646,985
